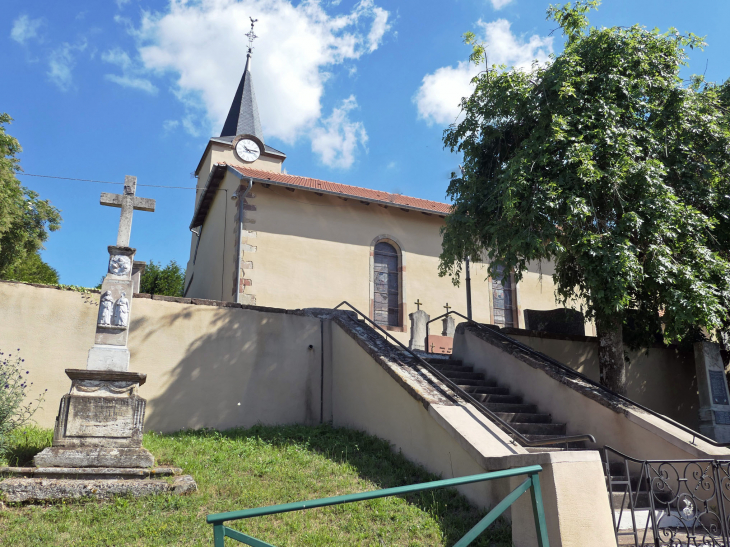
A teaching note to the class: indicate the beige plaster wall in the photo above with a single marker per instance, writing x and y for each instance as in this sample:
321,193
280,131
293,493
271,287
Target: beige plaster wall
304,250
457,441
214,268
632,431
663,379
206,366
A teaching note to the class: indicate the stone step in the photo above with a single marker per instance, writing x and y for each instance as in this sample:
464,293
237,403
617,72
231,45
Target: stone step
511,407
462,374
542,449
453,368
619,501
497,398
571,446
550,430
466,382
486,384
519,417
90,472
489,390
443,360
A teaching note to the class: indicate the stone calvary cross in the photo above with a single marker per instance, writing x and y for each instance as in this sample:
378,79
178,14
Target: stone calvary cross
128,203
100,420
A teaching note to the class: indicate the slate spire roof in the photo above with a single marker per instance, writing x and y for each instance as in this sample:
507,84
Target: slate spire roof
243,117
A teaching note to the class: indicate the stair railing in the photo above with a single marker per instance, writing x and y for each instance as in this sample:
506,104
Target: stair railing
686,500
493,329
531,483
502,424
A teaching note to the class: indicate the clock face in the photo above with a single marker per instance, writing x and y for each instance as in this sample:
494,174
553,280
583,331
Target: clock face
247,150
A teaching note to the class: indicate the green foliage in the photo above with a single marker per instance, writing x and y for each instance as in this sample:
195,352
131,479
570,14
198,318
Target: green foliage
243,468
32,269
606,162
24,218
14,387
167,281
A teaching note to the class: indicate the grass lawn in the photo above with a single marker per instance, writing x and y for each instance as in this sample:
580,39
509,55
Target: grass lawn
244,468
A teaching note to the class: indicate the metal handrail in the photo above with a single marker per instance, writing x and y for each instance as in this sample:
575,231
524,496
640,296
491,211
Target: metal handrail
505,426
493,329
532,483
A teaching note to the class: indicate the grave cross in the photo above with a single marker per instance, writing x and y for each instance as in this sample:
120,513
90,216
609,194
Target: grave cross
418,304
447,307
128,203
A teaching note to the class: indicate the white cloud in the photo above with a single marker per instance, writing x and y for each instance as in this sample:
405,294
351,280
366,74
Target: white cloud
337,139
379,28
202,45
440,93
25,28
130,71
499,4
61,63
122,3
170,125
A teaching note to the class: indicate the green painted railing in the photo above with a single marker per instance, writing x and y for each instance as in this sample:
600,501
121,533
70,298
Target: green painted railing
531,483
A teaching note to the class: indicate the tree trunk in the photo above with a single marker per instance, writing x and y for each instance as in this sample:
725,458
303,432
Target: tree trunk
611,362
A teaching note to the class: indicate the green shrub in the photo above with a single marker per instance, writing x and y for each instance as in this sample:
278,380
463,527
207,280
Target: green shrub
14,387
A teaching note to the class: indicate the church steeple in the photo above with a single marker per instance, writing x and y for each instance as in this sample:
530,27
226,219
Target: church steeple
243,117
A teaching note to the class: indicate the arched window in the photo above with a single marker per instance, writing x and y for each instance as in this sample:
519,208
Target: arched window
503,306
386,297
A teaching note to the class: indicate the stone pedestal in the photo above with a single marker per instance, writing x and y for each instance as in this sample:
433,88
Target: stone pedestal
99,422
713,392
418,329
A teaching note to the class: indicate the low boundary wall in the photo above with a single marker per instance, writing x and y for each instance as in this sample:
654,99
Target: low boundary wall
583,407
662,378
208,364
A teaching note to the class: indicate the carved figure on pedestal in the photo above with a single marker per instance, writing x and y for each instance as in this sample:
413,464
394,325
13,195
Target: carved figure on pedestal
106,305
119,265
121,311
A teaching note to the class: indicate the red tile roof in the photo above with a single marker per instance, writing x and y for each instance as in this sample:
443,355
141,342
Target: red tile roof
324,186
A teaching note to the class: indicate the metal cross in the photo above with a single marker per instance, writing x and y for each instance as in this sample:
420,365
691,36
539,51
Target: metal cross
447,307
128,203
418,304
251,36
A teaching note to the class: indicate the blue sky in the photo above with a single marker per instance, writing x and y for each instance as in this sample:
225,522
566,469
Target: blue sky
353,92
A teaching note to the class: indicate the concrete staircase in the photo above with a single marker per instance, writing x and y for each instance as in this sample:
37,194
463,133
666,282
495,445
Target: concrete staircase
524,417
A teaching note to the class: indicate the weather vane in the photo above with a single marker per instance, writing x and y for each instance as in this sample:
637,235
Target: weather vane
251,36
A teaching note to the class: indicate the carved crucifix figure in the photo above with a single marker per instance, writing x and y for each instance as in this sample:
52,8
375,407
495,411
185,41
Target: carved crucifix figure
128,202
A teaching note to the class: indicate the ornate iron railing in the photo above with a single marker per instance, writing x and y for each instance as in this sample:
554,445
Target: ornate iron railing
531,483
503,425
675,503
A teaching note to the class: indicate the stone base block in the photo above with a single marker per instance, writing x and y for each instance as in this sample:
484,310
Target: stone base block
18,490
89,472
101,410
91,456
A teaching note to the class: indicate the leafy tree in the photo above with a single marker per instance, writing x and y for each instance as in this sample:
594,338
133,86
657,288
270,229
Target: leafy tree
24,218
168,281
609,164
32,270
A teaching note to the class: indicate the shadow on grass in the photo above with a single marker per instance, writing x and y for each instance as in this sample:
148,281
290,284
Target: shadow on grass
375,461
21,445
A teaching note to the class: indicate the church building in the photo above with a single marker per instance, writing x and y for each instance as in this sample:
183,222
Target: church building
265,237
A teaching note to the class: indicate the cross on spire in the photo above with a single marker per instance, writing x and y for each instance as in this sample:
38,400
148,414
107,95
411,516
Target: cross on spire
128,203
251,36
418,304
447,307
